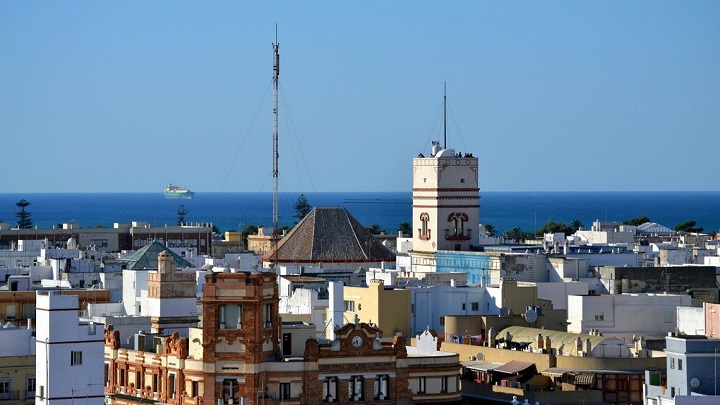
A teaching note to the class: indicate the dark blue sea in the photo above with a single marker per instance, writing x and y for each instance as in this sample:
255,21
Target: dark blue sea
504,210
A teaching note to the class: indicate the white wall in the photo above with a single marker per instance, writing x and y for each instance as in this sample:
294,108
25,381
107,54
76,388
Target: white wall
171,307
16,342
430,304
691,320
631,314
134,282
336,307
558,293
59,333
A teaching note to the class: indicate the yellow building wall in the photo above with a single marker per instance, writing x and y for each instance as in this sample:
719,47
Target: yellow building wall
389,309
17,370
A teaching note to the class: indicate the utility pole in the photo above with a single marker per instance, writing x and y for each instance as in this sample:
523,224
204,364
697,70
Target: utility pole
276,79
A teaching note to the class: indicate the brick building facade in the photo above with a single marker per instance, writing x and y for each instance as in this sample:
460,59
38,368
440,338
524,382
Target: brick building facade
235,358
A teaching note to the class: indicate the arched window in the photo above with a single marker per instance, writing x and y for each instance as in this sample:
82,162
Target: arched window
424,230
457,222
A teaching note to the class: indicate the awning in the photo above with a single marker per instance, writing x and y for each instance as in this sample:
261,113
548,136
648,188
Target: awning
481,366
581,379
514,367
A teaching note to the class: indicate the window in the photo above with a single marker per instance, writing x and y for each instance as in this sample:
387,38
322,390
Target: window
29,311
422,386
679,364
4,387
672,392
30,386
171,385
355,388
457,223
267,315
330,389
600,317
194,389
75,358
349,306
99,242
231,391
10,315
442,321
41,392
444,384
463,306
284,391
424,231
381,387
475,306
230,316
672,363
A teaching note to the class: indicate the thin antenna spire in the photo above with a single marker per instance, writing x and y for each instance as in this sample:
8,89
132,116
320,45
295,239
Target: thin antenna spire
276,79
444,115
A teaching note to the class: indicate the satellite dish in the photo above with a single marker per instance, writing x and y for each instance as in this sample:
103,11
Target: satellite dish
694,383
480,356
531,315
504,311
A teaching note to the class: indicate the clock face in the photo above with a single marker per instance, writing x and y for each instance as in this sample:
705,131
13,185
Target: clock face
357,341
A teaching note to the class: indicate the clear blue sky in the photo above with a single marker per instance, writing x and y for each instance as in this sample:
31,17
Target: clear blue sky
551,96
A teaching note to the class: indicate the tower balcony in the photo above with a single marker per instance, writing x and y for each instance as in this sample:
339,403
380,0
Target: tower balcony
467,236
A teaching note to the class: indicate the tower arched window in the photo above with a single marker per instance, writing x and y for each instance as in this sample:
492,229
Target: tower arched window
457,222
424,231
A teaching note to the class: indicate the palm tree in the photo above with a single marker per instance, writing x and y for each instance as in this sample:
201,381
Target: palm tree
490,230
375,229
576,225
405,228
515,235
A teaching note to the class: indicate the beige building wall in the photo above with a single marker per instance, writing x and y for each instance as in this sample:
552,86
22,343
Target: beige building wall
388,308
260,243
516,297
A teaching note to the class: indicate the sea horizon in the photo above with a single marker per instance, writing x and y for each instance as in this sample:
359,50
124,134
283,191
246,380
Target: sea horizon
527,210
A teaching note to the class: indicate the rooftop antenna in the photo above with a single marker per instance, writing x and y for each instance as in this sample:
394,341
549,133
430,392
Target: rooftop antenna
444,115
276,77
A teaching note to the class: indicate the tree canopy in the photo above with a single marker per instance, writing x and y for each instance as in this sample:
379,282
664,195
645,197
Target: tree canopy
405,228
689,226
250,229
375,229
516,235
302,207
23,216
181,212
554,227
637,221
490,230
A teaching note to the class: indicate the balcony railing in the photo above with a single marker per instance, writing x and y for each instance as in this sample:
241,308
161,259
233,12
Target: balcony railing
10,395
449,236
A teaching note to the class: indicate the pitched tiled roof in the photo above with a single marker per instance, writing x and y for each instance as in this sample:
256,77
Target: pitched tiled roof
329,235
147,257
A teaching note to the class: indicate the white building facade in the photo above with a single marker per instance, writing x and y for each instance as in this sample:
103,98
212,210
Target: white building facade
69,354
625,314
